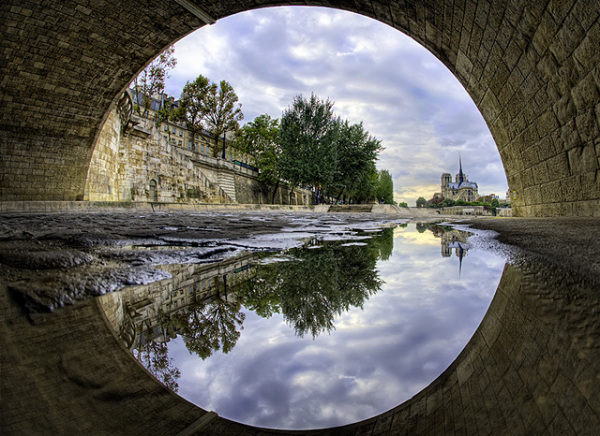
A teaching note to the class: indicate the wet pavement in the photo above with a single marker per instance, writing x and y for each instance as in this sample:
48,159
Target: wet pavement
55,259
532,367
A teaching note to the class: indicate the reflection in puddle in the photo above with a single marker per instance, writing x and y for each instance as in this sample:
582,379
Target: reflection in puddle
323,335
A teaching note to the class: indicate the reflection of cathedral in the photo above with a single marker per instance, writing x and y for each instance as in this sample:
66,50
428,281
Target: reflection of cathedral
452,239
457,240
461,189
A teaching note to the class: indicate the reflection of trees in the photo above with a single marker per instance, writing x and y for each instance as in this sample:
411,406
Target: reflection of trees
154,356
212,324
309,290
317,285
385,242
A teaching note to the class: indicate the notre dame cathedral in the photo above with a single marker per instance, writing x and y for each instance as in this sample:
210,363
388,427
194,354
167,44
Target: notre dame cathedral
461,189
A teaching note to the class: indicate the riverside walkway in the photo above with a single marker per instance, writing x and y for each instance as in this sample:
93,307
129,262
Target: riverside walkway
531,368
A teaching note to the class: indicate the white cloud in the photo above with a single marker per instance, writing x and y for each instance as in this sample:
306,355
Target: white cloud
375,74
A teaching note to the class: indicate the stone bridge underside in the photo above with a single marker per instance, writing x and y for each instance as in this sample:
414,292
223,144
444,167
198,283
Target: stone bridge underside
531,66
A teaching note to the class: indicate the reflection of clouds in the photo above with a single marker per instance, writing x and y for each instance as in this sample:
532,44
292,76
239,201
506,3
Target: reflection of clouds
405,236
377,357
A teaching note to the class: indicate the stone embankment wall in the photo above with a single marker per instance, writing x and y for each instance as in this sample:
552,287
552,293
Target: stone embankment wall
132,163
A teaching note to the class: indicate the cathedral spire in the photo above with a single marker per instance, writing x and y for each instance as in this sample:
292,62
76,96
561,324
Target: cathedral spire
461,177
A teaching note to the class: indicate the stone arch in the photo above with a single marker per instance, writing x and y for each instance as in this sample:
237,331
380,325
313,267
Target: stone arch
152,191
531,68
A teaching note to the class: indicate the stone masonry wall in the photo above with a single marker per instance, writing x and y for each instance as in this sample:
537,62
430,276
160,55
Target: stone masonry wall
138,165
101,183
532,67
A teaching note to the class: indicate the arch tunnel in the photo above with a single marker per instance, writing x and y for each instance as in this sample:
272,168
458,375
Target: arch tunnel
531,67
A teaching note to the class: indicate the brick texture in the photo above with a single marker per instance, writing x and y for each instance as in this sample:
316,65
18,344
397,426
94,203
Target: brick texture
531,67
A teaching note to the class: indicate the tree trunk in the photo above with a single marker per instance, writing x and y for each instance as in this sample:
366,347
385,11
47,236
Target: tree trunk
275,192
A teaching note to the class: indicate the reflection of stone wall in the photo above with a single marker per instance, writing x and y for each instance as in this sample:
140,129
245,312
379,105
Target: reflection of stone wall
139,308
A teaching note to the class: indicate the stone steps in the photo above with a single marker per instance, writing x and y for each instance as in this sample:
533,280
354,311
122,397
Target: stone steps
227,184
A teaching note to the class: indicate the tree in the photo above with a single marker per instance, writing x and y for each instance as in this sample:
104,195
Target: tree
259,138
341,277
421,202
385,187
154,355
367,190
222,115
308,137
168,113
356,153
193,104
151,79
211,107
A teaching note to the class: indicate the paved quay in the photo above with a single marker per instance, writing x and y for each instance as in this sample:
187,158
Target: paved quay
567,243
532,367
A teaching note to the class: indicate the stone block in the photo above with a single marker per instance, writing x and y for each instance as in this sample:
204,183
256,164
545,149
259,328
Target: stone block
585,93
533,195
545,33
587,126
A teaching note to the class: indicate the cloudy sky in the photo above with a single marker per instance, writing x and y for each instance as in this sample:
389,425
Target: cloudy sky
377,357
374,74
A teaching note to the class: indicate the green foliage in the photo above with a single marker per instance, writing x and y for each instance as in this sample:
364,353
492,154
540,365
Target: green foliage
385,187
154,356
259,138
212,107
193,103
151,79
211,325
421,202
403,204
367,189
222,114
356,153
326,152
308,136
341,277
384,243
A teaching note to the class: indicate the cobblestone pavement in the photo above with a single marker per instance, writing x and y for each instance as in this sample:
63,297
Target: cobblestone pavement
532,367
54,259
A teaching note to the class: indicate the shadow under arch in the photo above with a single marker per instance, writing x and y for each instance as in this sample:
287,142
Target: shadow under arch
530,368
530,67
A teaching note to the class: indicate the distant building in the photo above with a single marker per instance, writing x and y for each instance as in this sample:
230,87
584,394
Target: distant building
461,189
177,133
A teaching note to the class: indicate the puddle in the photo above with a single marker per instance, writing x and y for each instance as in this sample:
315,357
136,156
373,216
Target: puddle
304,338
